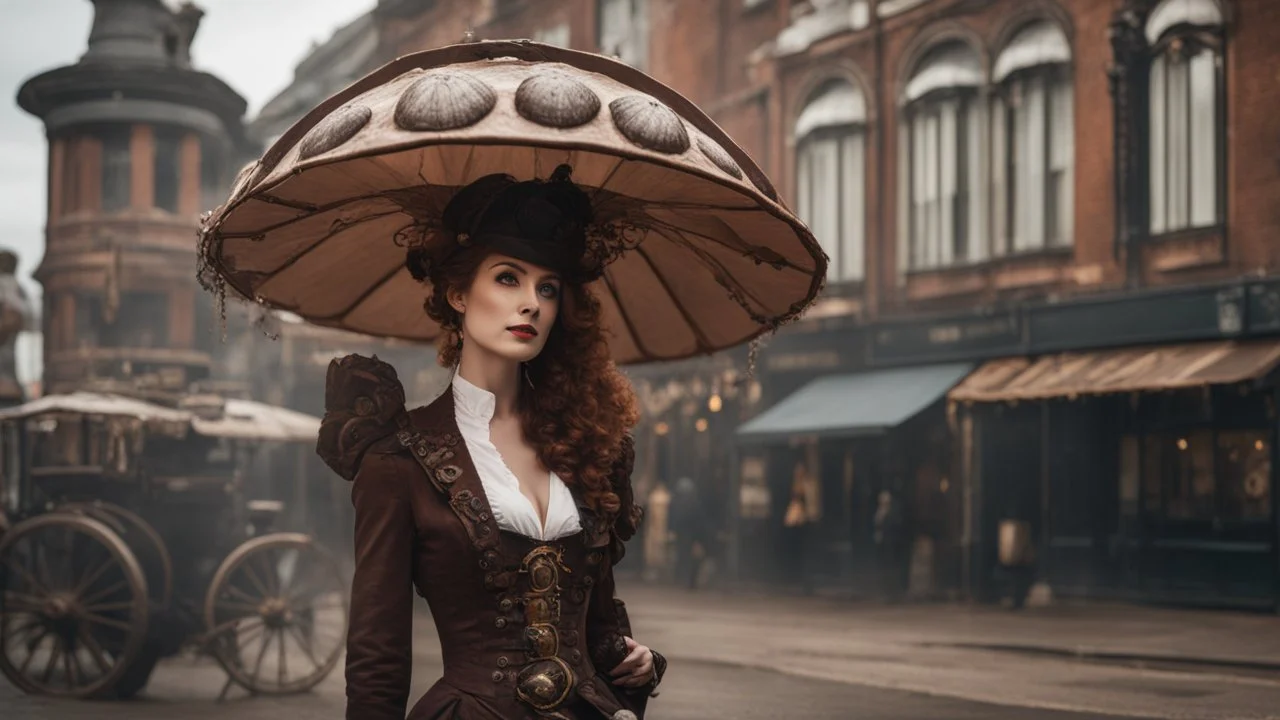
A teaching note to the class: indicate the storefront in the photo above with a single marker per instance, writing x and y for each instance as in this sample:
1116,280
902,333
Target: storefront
1145,473
844,484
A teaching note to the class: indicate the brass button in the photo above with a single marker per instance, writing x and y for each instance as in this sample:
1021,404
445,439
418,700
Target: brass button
500,623
503,662
476,503
576,657
571,637
484,529
588,581
579,596
593,558
497,676
484,517
505,604
484,564
488,579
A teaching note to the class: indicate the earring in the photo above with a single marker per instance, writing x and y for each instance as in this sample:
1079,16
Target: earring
527,379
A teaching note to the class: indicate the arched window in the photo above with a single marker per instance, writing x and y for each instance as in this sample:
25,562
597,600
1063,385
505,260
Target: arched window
830,136
1032,141
1186,120
941,135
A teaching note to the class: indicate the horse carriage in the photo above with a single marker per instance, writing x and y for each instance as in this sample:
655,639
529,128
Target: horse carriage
131,538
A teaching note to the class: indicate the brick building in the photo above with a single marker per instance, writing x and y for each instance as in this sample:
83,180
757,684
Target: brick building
139,144
1053,293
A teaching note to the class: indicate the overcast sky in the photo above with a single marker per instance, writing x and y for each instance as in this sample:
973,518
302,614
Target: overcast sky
251,44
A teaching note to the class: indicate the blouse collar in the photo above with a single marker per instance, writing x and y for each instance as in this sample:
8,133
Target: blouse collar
473,401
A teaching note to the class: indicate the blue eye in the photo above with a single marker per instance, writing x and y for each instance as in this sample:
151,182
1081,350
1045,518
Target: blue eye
549,291
507,278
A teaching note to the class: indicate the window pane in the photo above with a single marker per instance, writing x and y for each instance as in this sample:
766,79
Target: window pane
212,183
1130,477
933,189
1179,151
1155,449
1159,187
168,153
623,30
1061,162
825,192
948,172
920,201
116,174
999,186
976,238
1245,459
853,219
804,188
72,162
1030,162
1188,478
1204,139
142,320
904,202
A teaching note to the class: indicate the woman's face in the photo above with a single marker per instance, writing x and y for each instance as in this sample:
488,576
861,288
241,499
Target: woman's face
510,307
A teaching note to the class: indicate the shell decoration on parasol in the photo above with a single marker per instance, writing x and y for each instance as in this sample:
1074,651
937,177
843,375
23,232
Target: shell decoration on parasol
694,251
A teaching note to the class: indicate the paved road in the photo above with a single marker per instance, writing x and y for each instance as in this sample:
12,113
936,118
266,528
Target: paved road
183,689
770,658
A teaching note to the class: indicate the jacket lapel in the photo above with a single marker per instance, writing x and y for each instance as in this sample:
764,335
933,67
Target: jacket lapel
433,437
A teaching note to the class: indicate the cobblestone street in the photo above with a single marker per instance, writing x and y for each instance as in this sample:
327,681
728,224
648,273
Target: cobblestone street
184,689
772,657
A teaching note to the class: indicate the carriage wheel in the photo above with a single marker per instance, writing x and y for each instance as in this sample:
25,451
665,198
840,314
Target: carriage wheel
141,538
277,614
73,614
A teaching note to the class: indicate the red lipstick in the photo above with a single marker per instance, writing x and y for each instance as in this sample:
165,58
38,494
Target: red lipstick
524,332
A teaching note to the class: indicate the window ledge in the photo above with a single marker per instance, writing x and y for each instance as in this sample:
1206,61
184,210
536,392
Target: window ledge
1187,249
843,289
1036,268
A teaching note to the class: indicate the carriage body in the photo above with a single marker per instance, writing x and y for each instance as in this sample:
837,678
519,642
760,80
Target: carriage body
130,540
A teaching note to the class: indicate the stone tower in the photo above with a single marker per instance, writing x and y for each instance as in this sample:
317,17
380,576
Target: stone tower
140,144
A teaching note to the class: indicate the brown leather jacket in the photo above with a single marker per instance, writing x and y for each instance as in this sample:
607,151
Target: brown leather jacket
527,628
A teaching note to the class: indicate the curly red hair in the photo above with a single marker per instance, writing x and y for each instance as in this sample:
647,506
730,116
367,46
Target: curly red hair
581,407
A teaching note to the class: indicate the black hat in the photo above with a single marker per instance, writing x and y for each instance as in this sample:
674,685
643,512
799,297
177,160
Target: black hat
540,221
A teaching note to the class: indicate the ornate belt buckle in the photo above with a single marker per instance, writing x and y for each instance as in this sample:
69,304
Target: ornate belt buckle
545,684
543,640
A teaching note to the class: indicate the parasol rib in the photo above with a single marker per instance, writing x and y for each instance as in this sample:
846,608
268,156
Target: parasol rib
267,198
703,343
626,318
290,262
721,274
617,165
743,248
319,211
355,304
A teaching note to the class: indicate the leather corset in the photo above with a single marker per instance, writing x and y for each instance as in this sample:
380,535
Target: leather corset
534,644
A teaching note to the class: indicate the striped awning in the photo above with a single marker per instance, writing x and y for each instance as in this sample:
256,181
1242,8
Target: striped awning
1132,369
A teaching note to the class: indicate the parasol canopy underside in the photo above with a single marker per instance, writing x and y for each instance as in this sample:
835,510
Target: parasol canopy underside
711,260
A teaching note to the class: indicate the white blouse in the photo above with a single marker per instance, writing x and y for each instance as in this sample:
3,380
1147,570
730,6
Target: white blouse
473,410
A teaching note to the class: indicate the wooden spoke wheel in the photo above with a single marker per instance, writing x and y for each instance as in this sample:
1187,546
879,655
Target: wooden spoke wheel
277,614
142,539
73,614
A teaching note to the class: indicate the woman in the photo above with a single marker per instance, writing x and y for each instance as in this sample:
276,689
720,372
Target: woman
507,500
